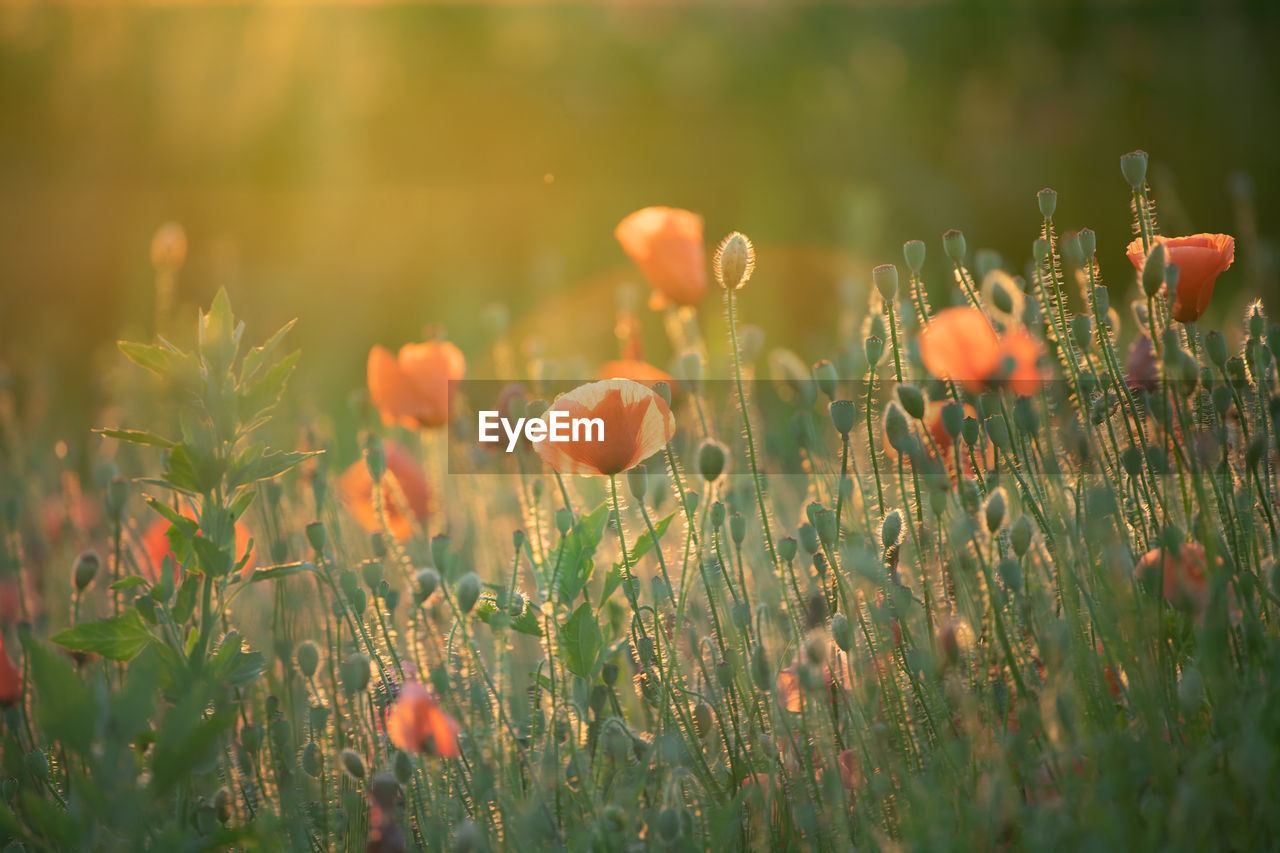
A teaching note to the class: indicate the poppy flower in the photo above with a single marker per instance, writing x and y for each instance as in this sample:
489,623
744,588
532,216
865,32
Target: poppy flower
156,546
417,723
405,496
637,424
850,773
666,244
1200,259
411,388
10,677
960,344
635,370
1182,576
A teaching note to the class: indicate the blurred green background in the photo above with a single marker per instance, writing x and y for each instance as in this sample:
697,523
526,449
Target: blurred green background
379,169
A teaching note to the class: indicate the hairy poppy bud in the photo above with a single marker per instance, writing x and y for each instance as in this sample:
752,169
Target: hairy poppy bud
440,544
353,763
842,632
1011,573
737,528
844,414
1021,535
824,521
638,481
913,252
895,427
1215,344
718,512
885,278
1134,168
952,419
912,400
1153,270
997,505
1048,201
427,582
711,460
969,429
564,520
824,374
311,763
86,569
468,591
355,673
317,536
953,244
1088,242
371,572
308,658
734,261
761,672
998,432
891,529
809,538
1082,330
787,548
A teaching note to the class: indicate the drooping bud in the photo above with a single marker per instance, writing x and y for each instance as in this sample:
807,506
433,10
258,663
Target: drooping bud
317,536
638,481
1215,344
912,400
895,427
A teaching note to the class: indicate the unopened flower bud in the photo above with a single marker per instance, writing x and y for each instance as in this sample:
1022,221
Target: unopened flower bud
912,400
787,548
735,260
353,763
638,481
737,528
375,459
895,427
355,673
427,580
317,536
86,569
842,632
1153,270
995,510
711,460
952,419
718,513
308,658
891,530
468,591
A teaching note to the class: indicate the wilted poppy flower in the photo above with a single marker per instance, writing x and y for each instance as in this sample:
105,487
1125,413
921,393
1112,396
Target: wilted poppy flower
10,677
405,496
960,344
156,546
637,424
1200,259
666,244
412,387
635,370
417,723
1182,577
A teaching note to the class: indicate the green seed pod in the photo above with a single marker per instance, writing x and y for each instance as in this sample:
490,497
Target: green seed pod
1048,201
1134,168
717,515
317,718
737,528
952,419
1011,573
998,432
953,244
844,414
824,374
1215,345
913,252
885,278
842,632
1020,535
353,764
912,400
873,349
359,601
311,763
891,530
711,460
1102,298
1153,271
787,548
426,583
969,429
348,582
402,765
645,650
440,544
638,481
761,672
86,569
371,573
355,673
1257,321
1040,249
317,536
308,658
468,592
825,523
809,538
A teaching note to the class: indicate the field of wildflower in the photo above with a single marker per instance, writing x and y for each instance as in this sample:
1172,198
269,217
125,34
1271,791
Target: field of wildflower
851,542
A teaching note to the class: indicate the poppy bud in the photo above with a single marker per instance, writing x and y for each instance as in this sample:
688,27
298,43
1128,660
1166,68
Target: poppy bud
913,252
645,650
427,582
353,763
1215,344
825,523
1011,573
970,495
998,431
1048,201
1088,242
37,764
440,550
1002,298
282,734
1024,414
891,530
787,548
375,459
761,672
742,616
1134,168
663,389
311,763
1020,535
1082,330
711,460
809,538
86,569
820,564
519,540
638,481
702,719
995,510
668,826
355,673
734,261
1257,448
824,374
308,657
844,414
885,278
609,674
969,429
912,400
953,244
737,528
371,573
874,350
842,632
317,536
117,497
1153,270
895,427
468,592
717,515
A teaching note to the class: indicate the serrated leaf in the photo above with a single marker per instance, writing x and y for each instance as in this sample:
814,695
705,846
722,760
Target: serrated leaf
185,603
574,553
580,641
186,525
137,436
242,503
255,358
526,622
644,544
283,570
118,638
161,360
214,560
128,583
65,702
265,467
263,393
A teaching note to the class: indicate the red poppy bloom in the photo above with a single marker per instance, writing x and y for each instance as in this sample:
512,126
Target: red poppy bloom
405,496
412,387
1200,258
1183,580
960,344
637,424
417,723
635,370
155,547
10,677
666,244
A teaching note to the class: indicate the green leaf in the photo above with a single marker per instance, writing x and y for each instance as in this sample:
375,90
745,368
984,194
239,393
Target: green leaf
185,604
162,360
526,621
263,393
574,553
128,583
187,526
137,436
265,467
255,358
66,704
240,504
219,334
214,560
118,638
645,543
580,641
283,570
234,666
192,469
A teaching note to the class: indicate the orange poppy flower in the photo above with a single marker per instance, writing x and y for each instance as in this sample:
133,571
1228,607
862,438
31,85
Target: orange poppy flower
635,370
1184,583
960,344
10,677
405,495
1200,258
412,387
417,723
666,244
637,424
155,547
